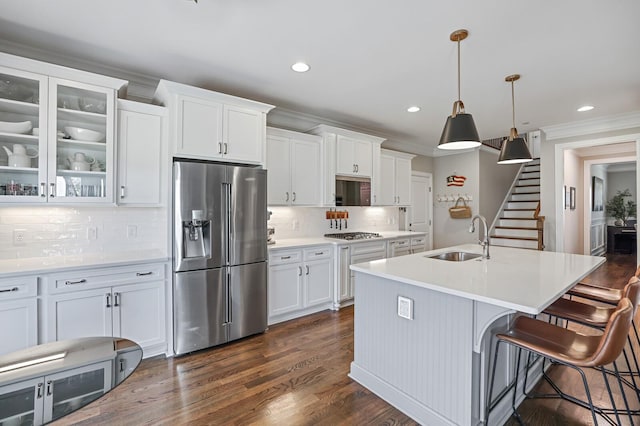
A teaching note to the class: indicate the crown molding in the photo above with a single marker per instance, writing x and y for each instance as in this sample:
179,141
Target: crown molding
140,87
595,125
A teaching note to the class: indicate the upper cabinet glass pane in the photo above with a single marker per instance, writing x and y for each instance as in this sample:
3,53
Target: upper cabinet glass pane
19,140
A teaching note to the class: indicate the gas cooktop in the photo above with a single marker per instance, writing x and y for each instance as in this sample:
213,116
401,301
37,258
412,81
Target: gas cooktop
354,235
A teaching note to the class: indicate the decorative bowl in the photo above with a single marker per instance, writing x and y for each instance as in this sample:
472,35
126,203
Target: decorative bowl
22,127
81,134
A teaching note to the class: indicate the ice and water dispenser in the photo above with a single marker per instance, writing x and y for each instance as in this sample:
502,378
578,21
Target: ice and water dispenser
196,236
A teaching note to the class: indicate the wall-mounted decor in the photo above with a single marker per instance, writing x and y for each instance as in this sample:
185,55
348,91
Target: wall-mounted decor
597,191
454,180
572,198
566,197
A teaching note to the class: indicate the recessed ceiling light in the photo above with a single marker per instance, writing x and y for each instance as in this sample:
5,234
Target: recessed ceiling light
413,109
300,67
585,108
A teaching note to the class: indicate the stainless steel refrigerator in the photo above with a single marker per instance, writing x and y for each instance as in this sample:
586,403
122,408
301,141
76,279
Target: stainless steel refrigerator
219,253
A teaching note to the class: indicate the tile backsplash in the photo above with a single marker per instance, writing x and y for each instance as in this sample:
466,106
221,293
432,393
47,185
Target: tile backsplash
301,222
43,231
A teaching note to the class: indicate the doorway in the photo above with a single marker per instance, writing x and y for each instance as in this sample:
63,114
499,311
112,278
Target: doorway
421,211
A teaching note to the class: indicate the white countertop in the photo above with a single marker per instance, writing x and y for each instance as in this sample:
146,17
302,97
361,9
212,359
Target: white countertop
525,280
314,241
40,265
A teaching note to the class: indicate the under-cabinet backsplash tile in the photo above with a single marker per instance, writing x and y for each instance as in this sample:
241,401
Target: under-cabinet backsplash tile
303,222
62,231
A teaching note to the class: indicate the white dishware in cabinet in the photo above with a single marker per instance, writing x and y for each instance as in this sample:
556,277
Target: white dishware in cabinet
23,155
89,179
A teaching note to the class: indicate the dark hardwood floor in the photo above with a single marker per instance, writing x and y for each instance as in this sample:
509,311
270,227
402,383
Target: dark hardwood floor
294,374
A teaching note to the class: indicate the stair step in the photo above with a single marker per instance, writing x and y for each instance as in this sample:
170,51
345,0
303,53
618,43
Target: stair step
520,197
515,243
525,186
524,228
519,210
522,201
514,238
516,232
529,192
529,178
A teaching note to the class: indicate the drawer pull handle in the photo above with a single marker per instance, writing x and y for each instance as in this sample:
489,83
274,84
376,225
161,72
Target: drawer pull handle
319,253
8,290
82,281
285,257
142,274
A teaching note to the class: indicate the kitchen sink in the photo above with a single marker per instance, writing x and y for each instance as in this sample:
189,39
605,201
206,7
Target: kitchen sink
455,256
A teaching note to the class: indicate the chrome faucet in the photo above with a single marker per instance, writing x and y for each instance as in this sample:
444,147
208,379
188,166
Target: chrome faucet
484,243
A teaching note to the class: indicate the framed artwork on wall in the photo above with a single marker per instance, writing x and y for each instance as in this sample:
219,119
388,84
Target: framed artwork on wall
572,198
597,194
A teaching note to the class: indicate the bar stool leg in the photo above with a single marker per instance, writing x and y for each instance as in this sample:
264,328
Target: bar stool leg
624,396
515,389
493,376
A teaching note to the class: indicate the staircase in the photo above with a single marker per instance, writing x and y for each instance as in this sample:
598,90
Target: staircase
519,224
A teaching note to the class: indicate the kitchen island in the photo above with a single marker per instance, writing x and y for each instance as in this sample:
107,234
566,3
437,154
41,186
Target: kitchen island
434,366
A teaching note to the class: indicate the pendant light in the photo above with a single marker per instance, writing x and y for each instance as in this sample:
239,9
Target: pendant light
514,149
459,131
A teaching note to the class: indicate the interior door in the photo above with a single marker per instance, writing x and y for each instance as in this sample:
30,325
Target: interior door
248,300
199,309
421,202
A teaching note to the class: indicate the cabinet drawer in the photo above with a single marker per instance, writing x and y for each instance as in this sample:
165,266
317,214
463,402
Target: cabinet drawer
18,287
400,243
317,253
104,277
370,247
285,256
419,241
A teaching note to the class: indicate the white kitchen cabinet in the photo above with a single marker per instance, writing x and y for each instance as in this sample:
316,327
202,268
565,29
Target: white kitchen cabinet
347,255
399,247
418,244
346,152
126,302
141,149
393,187
294,167
46,398
214,126
18,308
52,163
354,157
300,282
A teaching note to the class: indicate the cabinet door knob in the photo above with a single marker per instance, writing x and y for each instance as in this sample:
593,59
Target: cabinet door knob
354,168
294,196
219,147
122,191
43,189
357,168
307,266
39,394
225,148
49,388
116,299
299,271
287,195
52,190
108,295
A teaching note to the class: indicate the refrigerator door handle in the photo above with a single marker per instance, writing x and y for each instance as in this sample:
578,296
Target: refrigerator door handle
229,313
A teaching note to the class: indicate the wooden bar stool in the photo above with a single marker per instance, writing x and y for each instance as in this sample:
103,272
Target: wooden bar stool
567,347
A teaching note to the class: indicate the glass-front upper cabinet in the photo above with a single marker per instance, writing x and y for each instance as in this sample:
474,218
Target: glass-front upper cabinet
81,136
23,136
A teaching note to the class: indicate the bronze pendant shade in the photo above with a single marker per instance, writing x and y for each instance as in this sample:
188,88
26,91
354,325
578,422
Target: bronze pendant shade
514,149
459,131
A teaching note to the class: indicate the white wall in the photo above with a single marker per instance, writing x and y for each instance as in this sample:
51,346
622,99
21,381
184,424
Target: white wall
573,219
448,231
619,181
495,182
302,222
422,163
62,231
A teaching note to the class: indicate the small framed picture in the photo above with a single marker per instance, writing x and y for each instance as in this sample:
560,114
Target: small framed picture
567,198
572,198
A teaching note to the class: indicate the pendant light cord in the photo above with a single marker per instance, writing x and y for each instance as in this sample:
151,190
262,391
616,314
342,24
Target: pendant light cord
459,70
513,106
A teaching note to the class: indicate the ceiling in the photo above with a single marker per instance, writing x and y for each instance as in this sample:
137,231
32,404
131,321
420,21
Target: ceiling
369,60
